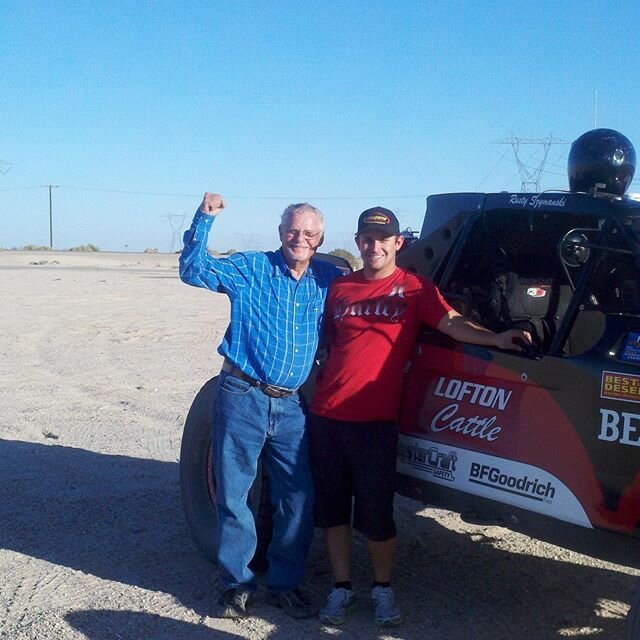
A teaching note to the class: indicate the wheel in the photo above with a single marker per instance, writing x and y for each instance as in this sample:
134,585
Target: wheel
198,484
633,617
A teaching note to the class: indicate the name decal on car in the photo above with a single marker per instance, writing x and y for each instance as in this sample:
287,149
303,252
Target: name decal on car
537,201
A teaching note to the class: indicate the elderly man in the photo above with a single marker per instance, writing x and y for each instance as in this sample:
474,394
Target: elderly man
277,300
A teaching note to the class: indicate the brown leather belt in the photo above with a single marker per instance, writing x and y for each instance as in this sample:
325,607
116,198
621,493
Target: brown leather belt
268,389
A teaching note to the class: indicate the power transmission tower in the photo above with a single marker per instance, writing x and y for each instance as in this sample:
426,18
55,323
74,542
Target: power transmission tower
176,222
5,167
530,173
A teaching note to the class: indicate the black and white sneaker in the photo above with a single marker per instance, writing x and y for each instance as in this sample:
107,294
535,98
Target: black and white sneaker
233,603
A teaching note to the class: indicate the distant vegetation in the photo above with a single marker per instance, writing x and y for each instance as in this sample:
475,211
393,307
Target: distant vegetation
347,255
85,247
215,253
40,247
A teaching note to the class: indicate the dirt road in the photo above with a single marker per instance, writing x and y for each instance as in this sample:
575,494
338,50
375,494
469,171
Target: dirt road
101,357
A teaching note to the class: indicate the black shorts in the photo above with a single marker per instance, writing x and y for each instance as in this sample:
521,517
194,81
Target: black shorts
354,459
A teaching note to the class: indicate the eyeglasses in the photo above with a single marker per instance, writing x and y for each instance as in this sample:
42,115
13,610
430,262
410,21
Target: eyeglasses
307,235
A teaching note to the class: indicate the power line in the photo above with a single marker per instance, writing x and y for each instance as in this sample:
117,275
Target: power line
39,186
235,197
495,166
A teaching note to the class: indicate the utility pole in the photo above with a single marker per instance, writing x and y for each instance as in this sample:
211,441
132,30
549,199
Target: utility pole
51,186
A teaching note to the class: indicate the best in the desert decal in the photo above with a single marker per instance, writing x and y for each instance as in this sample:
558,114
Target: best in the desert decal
620,386
617,424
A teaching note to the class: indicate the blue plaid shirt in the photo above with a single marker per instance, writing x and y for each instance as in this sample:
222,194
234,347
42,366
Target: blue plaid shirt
275,319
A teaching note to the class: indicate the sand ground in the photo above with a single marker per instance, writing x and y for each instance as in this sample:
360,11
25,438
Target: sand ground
101,356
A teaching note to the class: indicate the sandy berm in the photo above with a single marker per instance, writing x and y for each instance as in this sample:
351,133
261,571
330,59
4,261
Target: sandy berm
102,355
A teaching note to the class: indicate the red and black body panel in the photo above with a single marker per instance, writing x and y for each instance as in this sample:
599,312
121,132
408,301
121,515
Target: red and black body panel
525,432
556,432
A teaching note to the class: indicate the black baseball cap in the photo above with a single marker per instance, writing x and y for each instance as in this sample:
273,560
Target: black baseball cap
381,219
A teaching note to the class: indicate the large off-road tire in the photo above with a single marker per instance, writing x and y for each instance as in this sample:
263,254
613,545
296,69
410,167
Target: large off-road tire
633,617
198,484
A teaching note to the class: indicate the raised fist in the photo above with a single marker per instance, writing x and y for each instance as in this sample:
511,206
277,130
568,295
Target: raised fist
212,204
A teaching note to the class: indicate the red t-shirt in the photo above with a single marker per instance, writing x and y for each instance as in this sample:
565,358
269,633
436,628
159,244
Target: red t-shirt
371,328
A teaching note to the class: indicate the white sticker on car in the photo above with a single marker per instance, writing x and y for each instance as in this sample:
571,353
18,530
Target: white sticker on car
509,481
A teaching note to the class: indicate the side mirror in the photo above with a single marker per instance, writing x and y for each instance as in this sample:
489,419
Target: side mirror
573,249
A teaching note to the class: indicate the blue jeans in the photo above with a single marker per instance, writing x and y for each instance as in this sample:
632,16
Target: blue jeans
246,423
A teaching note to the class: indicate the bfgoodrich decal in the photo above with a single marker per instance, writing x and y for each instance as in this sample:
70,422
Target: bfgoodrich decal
522,485
508,481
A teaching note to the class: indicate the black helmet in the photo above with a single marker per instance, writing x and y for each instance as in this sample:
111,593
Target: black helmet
601,156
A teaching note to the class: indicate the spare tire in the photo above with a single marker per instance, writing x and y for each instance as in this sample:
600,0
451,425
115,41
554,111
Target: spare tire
198,484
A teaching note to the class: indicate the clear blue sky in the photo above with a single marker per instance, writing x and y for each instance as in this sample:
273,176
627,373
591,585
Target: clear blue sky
346,104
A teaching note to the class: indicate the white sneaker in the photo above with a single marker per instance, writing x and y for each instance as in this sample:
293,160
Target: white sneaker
340,602
387,613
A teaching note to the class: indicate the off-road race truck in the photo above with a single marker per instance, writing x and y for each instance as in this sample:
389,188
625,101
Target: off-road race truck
547,441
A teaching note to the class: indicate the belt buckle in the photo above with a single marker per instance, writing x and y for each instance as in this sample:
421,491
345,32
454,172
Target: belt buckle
275,392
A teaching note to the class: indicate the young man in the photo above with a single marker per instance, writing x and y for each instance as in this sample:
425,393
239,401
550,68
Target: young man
371,321
277,300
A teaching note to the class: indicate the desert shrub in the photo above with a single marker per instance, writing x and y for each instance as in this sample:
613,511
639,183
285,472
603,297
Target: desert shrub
347,255
152,250
34,247
85,247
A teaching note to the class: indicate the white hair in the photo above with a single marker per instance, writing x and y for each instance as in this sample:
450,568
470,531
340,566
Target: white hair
292,209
